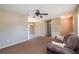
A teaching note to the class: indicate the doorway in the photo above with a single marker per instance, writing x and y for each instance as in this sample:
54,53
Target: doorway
49,28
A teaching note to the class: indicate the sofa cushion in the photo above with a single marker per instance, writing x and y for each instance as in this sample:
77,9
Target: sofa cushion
59,38
58,44
72,42
77,51
66,37
59,49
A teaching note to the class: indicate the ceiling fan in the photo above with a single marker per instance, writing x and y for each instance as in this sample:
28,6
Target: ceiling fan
37,13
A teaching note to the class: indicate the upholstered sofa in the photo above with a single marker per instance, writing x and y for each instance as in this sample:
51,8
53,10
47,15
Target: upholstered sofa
71,46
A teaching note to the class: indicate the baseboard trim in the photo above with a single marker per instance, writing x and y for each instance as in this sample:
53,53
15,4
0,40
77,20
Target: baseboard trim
12,44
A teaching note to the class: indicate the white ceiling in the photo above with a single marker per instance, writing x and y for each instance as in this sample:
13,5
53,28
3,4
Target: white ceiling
53,10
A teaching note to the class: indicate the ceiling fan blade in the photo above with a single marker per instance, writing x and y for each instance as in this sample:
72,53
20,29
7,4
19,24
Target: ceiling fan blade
34,16
38,11
41,16
44,14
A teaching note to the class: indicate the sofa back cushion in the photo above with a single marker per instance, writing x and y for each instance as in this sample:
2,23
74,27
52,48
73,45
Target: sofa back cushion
72,42
66,37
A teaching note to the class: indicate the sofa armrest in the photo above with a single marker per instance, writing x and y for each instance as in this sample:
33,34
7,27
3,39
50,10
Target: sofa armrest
59,49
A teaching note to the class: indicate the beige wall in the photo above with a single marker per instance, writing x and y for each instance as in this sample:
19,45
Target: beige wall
13,28
62,26
78,21
75,23
55,26
66,26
